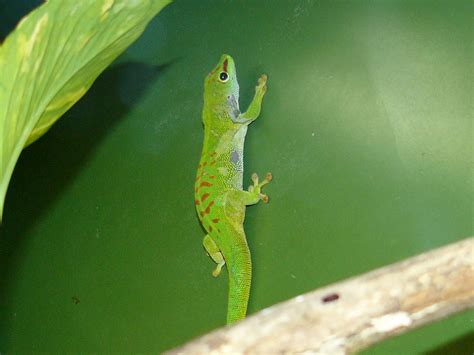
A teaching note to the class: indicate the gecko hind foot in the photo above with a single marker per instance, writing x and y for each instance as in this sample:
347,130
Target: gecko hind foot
257,186
218,269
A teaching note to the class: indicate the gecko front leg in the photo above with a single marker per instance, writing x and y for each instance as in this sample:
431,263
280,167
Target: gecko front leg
255,106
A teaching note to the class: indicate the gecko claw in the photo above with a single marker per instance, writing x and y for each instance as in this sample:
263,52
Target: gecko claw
255,178
264,198
266,180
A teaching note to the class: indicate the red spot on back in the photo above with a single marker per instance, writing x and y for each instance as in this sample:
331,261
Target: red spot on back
204,196
212,162
208,208
224,65
215,220
204,183
196,202
210,229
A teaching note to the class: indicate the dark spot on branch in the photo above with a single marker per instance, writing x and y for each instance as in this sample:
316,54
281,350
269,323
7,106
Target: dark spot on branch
330,298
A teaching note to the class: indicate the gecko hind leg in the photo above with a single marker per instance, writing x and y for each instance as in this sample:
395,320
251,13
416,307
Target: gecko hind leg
256,188
214,252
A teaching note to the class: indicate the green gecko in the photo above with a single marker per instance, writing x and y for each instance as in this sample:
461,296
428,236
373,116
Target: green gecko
219,198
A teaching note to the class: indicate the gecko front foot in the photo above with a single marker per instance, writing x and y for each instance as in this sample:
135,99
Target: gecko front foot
256,188
261,87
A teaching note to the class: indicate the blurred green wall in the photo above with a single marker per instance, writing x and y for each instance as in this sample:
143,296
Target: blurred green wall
366,127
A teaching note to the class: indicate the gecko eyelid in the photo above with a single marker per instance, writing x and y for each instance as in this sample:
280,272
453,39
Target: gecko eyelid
223,76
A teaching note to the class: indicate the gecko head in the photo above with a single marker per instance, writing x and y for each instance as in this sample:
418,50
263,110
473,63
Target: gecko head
221,82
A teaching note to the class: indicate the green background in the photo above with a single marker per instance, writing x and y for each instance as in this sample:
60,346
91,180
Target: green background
366,127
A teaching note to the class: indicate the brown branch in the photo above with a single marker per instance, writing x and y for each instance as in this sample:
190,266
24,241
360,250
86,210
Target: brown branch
351,315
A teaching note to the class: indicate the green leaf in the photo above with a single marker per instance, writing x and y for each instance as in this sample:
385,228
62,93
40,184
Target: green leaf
52,58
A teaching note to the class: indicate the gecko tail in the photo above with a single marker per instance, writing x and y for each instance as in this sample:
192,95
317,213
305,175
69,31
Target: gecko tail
240,274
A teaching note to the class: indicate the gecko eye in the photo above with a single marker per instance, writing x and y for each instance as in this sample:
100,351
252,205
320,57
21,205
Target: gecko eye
223,76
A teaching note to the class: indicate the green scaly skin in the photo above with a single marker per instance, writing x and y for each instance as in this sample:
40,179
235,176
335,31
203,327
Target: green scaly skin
219,198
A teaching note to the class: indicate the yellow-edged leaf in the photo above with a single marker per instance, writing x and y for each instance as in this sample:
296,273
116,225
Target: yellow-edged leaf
52,58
